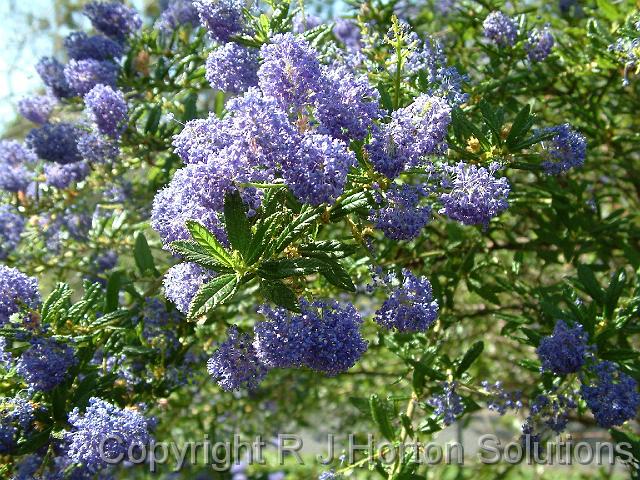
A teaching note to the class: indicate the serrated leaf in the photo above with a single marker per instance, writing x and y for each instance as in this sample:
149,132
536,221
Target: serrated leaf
308,215
237,223
521,125
472,354
209,242
193,252
264,233
290,267
327,248
380,415
351,203
212,294
278,293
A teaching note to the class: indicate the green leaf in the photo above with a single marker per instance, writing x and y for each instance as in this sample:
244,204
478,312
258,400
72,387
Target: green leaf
212,294
114,284
327,248
352,203
472,354
54,302
237,223
589,284
143,257
265,231
193,252
278,293
608,9
493,119
290,267
380,415
153,120
210,243
521,125
336,275
298,226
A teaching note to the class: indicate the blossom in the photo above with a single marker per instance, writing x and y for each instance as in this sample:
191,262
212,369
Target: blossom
539,44
52,73
500,29
232,68
83,75
61,176
234,365
46,363
290,71
16,163
182,282
448,404
318,172
81,46
348,105
499,400
104,431
567,149
55,142
113,19
611,395
473,195
402,217
96,148
324,337
177,13
107,108
38,108
410,306
11,227
16,290
222,18
348,32
563,351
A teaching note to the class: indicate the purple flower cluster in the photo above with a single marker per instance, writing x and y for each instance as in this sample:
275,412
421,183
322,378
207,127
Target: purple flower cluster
448,405
499,400
16,414
474,195
414,132
563,351
103,432
235,364
95,148
305,23
16,290
611,395
11,227
348,104
107,108
61,176
177,13
37,109
55,142
45,364
182,282
16,164
52,73
114,19
567,149
402,218
83,75
81,46
222,18
324,337
317,174
500,29
232,68
539,44
410,306
290,72
553,410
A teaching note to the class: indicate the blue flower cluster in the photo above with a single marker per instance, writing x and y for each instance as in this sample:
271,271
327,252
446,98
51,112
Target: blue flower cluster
46,363
107,108
539,44
235,364
564,351
410,306
182,282
567,149
448,404
37,109
81,46
402,217
104,431
611,395
500,29
178,13
113,19
16,417
11,227
473,195
16,166
324,337
16,290
159,326
232,68
221,18
499,399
